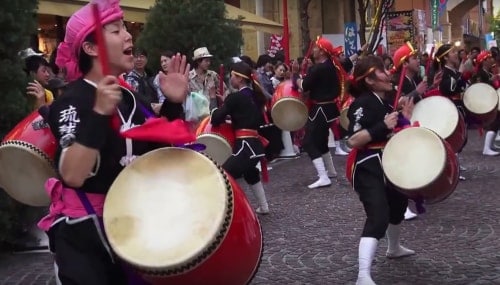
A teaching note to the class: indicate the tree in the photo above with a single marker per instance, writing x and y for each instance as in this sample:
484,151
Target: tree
183,26
304,24
17,23
494,23
381,7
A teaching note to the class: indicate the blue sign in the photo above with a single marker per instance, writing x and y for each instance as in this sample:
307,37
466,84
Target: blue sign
350,38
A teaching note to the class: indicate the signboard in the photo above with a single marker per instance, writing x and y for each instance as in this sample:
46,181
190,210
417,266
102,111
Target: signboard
350,39
400,29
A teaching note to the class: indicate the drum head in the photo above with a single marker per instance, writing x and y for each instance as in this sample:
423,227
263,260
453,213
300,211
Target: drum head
217,147
166,209
480,98
24,169
414,158
438,114
289,114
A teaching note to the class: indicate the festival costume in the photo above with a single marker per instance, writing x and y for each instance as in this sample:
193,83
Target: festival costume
384,206
246,117
323,81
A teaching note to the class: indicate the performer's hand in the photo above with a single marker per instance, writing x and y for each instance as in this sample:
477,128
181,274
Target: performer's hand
108,95
174,84
407,106
422,86
156,107
391,120
295,66
36,90
437,79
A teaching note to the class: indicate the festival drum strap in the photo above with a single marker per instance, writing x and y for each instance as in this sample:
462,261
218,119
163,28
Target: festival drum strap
352,157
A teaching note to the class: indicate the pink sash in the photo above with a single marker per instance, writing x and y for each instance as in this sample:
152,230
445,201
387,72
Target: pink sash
65,202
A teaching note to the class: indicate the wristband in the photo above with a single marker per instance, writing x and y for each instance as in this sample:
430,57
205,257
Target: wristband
379,132
93,131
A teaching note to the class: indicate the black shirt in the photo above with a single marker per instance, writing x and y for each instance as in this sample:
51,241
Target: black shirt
71,109
243,109
323,82
368,112
484,77
452,84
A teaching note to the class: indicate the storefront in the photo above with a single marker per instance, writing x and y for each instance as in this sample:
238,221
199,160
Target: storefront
53,15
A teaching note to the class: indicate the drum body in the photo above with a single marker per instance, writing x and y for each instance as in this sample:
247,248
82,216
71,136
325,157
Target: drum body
344,108
420,164
288,111
177,218
440,115
219,141
26,161
481,100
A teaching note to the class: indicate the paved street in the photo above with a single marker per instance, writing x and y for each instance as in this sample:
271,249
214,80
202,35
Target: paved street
311,236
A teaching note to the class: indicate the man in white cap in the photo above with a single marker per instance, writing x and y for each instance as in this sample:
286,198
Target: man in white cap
203,80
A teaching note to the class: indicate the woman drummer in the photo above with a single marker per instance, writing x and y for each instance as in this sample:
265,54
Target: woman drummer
484,64
452,84
86,121
245,108
372,120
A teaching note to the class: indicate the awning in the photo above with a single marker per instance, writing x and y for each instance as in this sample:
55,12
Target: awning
136,11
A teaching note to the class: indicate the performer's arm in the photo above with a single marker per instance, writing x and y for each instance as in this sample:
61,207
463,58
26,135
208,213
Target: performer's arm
82,127
309,80
363,132
219,114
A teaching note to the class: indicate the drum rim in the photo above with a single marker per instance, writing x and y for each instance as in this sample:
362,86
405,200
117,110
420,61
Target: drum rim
35,151
212,245
479,84
217,136
443,167
287,99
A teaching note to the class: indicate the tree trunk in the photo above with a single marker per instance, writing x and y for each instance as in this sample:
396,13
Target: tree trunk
304,25
362,6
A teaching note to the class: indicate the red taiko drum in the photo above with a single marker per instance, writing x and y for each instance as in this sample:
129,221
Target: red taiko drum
219,141
481,100
288,111
178,218
420,164
26,161
440,114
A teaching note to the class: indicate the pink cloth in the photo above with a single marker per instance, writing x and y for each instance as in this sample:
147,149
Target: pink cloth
79,26
65,202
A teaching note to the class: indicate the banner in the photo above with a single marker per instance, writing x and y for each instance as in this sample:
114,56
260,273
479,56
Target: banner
435,11
400,29
276,44
350,39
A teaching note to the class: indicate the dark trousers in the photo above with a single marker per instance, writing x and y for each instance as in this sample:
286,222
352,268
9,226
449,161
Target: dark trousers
316,137
81,257
383,204
243,161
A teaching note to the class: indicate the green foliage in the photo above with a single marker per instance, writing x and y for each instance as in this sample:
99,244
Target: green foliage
495,25
17,23
183,26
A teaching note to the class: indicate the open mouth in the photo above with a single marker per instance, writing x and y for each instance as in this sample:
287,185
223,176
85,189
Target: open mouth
128,51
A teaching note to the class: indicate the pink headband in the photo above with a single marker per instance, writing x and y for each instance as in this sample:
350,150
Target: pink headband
79,26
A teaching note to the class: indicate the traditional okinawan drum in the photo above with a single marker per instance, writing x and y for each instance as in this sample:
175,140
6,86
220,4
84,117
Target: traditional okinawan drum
420,164
344,108
288,111
439,114
219,141
178,218
481,100
26,161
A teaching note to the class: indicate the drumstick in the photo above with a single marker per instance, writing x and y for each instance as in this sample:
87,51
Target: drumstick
103,53
428,63
400,86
